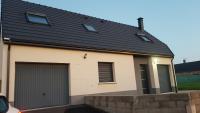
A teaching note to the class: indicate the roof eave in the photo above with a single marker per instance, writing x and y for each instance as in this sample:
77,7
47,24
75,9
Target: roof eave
88,49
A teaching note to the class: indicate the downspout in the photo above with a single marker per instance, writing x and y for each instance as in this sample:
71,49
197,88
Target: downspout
8,71
174,75
8,61
8,52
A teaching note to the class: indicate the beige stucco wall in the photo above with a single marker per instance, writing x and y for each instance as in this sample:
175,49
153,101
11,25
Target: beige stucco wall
153,62
153,72
137,61
83,73
81,70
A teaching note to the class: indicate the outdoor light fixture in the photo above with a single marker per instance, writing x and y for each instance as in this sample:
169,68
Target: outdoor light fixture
6,39
85,56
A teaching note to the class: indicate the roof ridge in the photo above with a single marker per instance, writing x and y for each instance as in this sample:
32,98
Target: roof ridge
189,62
80,14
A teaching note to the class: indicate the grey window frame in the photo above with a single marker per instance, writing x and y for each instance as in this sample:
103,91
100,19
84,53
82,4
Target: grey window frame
39,15
88,25
112,73
144,38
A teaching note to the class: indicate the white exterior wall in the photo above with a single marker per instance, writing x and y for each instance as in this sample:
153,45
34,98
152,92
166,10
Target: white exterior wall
83,73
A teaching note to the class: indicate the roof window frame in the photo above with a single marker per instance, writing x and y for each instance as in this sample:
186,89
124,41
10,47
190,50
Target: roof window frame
39,15
142,36
85,26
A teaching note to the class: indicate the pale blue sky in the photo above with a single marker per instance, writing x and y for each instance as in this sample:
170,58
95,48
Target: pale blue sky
175,22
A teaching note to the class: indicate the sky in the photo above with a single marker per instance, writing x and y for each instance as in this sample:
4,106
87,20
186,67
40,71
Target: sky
175,22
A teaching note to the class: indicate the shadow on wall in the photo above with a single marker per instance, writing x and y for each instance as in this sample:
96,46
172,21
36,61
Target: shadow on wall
68,109
84,109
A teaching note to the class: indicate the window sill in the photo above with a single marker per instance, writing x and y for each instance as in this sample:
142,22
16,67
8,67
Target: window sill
102,83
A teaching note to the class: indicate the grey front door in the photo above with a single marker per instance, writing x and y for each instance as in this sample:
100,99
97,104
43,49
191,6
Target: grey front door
39,85
164,78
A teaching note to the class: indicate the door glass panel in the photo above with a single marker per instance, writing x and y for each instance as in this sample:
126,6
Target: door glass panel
144,78
144,84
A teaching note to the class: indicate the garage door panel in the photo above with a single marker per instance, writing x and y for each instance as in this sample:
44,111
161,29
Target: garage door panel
164,78
41,85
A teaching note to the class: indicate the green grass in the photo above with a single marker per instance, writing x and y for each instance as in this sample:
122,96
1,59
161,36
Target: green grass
189,85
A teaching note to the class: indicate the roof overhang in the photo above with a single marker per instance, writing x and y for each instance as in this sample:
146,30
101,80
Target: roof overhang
73,47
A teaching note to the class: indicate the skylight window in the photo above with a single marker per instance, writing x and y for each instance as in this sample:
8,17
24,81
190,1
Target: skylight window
37,18
89,28
144,37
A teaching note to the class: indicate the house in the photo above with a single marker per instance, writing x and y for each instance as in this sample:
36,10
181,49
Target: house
188,68
51,57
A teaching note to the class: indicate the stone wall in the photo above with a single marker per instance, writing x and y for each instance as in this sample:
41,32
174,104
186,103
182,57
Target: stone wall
165,103
195,101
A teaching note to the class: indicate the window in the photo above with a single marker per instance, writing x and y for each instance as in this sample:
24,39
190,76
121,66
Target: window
89,28
144,37
105,72
37,18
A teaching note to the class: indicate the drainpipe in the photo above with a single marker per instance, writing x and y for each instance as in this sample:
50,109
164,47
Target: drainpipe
8,64
8,71
174,75
8,52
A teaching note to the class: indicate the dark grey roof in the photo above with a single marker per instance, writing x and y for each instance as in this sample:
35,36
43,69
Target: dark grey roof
187,67
66,31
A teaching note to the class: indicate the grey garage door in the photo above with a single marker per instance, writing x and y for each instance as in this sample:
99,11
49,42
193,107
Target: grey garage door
40,85
164,78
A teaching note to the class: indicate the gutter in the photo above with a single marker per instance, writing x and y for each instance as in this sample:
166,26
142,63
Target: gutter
174,76
73,47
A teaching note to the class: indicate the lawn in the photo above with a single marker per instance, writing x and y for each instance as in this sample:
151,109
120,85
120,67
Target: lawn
188,82
189,86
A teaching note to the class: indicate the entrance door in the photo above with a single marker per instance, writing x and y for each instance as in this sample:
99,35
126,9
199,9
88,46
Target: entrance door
164,78
144,78
40,85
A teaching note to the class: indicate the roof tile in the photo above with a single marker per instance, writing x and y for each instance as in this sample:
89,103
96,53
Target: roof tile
66,30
